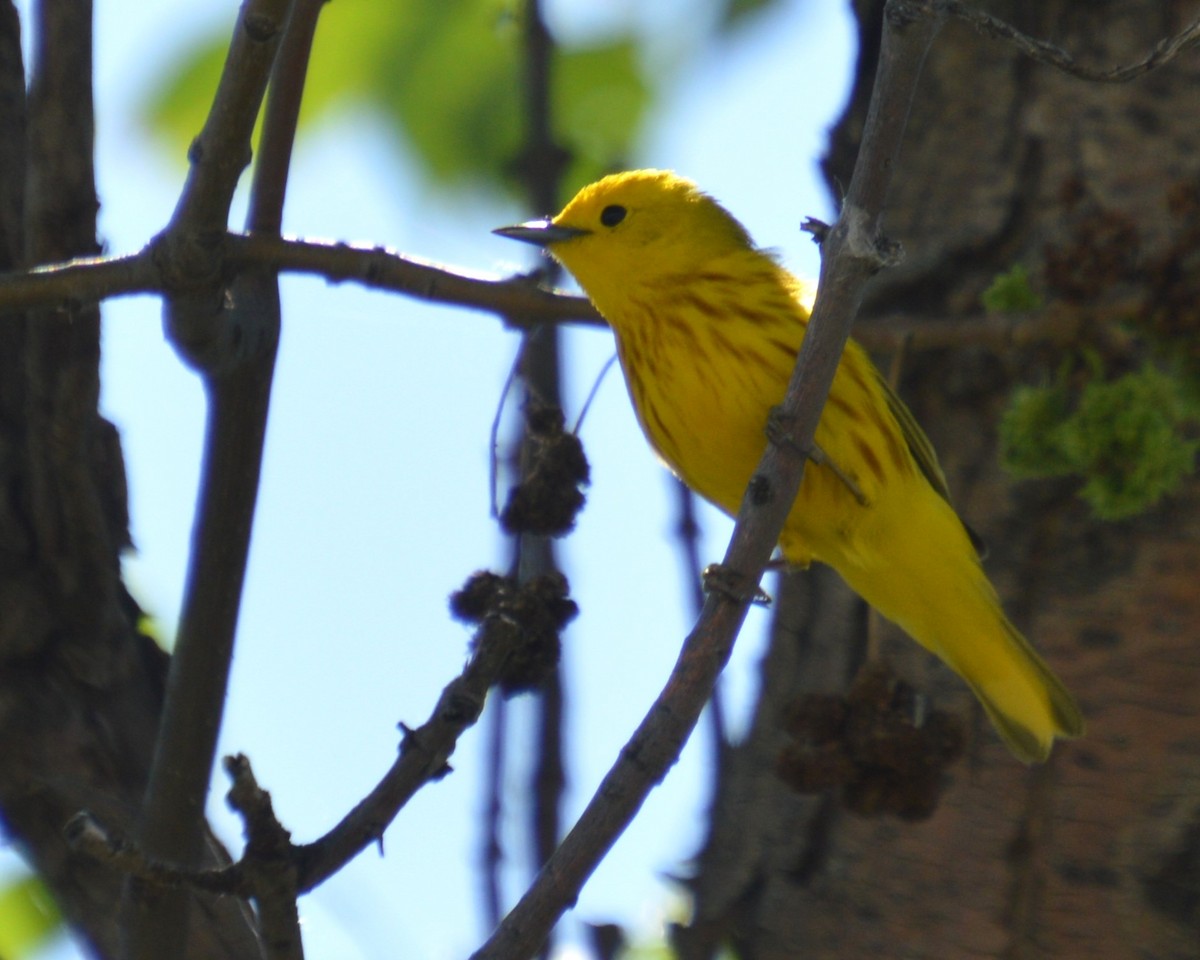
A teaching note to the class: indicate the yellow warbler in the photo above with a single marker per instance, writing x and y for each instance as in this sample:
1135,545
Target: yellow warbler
708,327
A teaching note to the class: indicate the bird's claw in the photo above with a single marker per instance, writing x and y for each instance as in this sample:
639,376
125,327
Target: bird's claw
718,578
779,426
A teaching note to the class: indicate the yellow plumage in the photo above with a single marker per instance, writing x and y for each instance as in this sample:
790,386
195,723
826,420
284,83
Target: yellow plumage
708,328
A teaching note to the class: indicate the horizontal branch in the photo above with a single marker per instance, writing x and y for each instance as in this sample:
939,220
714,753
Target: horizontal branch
1002,332
518,299
81,281
90,836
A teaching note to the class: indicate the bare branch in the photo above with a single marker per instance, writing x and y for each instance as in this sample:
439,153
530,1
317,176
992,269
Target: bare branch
79,281
491,853
541,165
88,835
268,862
519,300
269,185
222,150
1043,52
234,350
424,753
851,255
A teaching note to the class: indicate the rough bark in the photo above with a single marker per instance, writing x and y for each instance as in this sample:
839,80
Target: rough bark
1096,853
80,687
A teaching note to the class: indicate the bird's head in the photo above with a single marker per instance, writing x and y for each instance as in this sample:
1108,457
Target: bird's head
632,228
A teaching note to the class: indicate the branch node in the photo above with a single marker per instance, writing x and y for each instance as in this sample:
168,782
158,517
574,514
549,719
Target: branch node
862,242
723,579
818,228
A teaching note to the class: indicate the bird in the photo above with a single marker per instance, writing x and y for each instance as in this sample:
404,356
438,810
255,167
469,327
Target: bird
708,327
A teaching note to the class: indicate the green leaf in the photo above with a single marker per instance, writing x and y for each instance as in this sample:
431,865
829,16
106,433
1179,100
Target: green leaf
1126,438
1031,442
449,91
601,97
446,78
28,918
1011,293
176,109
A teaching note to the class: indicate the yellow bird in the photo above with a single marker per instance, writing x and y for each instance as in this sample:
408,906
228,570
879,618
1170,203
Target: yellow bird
708,327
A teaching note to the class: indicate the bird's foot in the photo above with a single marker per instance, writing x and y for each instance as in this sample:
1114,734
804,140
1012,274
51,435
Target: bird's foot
718,578
779,432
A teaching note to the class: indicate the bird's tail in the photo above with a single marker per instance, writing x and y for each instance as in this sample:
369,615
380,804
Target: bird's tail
933,586
1027,704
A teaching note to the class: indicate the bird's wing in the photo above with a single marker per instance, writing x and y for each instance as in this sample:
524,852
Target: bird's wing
923,452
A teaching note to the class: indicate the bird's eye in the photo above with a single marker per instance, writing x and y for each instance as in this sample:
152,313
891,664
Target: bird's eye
611,215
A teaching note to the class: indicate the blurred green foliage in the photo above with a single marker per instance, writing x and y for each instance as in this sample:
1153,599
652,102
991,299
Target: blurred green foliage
28,918
1126,437
1011,293
446,78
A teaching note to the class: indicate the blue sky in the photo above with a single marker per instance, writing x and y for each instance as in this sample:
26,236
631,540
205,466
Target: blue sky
374,504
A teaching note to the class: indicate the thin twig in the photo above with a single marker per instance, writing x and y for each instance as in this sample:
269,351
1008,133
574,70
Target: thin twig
79,281
85,833
853,252
541,165
423,757
1042,51
222,150
519,300
491,854
424,753
268,187
269,863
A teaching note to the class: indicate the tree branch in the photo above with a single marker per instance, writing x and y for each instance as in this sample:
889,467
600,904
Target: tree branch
423,757
222,150
852,254
518,299
100,841
1043,52
270,869
234,350
424,753
541,166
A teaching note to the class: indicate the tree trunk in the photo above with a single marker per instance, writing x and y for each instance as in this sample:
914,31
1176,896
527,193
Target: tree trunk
1096,853
81,688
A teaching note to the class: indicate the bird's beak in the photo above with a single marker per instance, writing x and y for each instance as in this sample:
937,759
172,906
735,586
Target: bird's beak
541,233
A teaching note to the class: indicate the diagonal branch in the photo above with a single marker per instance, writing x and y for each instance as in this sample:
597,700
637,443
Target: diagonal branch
852,253
518,299
424,753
